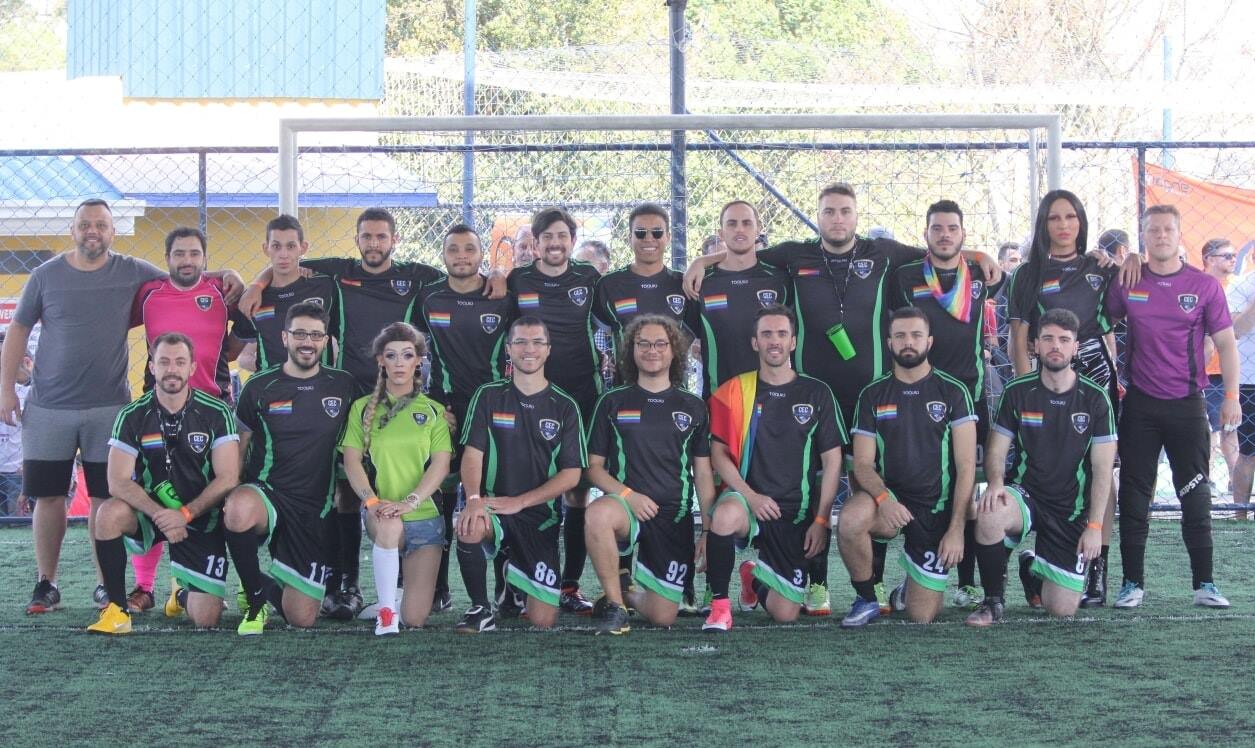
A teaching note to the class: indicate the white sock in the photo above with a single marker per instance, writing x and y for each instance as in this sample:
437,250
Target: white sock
387,562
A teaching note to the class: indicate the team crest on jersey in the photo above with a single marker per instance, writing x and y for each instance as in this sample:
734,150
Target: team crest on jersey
803,413
198,440
936,410
401,286
204,302
767,297
420,418
490,322
682,420
675,302
1187,301
315,300
1095,281
548,429
977,287
579,295
331,406
1080,422
862,268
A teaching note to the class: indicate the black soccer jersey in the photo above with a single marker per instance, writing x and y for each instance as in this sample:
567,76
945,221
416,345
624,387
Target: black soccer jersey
912,425
526,440
621,294
366,303
296,426
174,446
724,319
798,422
565,304
649,440
957,346
1051,434
467,333
852,289
266,324
1078,285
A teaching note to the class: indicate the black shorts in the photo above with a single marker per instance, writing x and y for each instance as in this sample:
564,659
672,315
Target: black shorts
1246,429
52,478
1057,537
664,552
298,540
530,542
199,561
781,546
921,543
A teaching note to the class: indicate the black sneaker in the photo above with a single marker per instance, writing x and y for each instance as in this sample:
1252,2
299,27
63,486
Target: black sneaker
571,601
330,603
510,604
443,602
1032,587
616,622
1096,586
476,620
351,599
100,597
45,598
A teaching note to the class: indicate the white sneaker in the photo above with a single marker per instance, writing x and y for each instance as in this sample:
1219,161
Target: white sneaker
387,623
1208,596
1131,596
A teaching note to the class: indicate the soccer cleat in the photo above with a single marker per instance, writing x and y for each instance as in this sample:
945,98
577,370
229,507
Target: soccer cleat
113,620
688,604
476,620
443,602
254,622
387,622
897,599
817,602
348,603
140,600
44,599
330,602
707,598
510,604
966,596
749,598
572,601
1032,590
1131,595
987,613
1207,596
173,607
616,622
882,599
100,597
862,612
1096,585
720,618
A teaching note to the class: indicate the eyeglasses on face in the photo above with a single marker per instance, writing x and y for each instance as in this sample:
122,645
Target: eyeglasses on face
307,335
652,345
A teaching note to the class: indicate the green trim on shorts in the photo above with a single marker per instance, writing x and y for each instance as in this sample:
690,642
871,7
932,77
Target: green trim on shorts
1068,580
634,525
530,587
668,591
272,514
729,495
498,534
1027,519
198,582
778,584
137,547
926,579
286,576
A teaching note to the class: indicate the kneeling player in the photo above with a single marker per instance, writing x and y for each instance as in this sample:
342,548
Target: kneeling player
915,463
182,446
1065,437
773,430
524,447
648,444
292,417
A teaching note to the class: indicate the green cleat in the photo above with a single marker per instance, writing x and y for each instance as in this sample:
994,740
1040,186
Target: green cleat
254,622
817,602
966,597
882,599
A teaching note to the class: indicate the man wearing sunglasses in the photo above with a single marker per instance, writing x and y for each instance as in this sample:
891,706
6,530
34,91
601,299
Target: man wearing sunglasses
1220,261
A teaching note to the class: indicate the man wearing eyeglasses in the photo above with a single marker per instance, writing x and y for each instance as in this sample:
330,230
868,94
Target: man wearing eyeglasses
1241,299
291,419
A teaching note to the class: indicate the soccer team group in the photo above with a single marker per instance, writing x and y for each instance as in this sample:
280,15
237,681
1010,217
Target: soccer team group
840,367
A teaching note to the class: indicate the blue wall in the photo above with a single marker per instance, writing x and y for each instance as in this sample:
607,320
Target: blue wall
231,49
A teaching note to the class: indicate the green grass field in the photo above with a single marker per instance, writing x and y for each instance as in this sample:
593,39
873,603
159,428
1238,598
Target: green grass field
1167,674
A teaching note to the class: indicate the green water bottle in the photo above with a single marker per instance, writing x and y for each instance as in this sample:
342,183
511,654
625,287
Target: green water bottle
167,496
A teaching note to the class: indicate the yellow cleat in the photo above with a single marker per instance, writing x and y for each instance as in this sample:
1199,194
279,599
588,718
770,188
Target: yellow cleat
113,620
173,609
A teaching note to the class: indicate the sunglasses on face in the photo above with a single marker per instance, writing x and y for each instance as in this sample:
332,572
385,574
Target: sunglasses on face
642,233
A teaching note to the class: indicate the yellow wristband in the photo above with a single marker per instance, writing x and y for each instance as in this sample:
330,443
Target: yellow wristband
187,513
371,501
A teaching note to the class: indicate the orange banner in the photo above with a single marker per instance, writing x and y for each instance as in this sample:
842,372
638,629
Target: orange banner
1208,211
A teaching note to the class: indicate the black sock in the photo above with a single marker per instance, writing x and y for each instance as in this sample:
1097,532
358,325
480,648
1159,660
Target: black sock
761,591
879,551
498,571
967,564
865,589
243,547
993,566
1134,559
474,568
1200,565
573,541
625,564
112,556
349,530
720,556
181,597
1105,550
273,594
817,568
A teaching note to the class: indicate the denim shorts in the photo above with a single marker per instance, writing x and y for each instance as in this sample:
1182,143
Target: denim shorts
422,532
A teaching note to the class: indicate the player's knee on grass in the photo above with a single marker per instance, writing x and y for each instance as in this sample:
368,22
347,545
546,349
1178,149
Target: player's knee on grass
541,615
300,610
1059,601
203,610
922,604
658,610
115,519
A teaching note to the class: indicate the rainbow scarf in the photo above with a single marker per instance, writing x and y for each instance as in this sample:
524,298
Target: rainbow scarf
958,301
734,416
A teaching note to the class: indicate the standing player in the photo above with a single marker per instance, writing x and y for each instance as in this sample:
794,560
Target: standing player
915,465
1169,312
1064,433
174,456
646,285
522,448
559,291
774,430
291,418
467,332
648,446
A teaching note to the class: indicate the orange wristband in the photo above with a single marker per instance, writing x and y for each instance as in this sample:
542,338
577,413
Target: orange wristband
822,521
187,513
1231,396
1094,525
881,498
371,501
626,493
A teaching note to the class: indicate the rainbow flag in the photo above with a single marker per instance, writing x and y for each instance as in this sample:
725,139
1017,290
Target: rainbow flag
716,301
529,301
151,441
1031,418
734,416
921,292
351,282
264,313
1050,286
807,271
440,319
886,412
625,306
1139,297
628,416
958,300
280,407
502,420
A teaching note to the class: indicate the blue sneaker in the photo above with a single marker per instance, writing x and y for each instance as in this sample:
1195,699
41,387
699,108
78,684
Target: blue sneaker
862,612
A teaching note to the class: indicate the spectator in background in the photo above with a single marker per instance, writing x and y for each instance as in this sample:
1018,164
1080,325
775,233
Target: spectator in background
879,232
595,253
12,502
524,247
1115,242
1241,298
1219,260
1010,255
712,244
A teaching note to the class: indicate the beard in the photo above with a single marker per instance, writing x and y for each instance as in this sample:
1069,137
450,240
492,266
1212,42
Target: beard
173,385
1065,364
910,359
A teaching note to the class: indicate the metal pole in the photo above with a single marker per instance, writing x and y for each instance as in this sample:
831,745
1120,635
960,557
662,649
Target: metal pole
762,181
679,185
1141,194
469,21
202,191
1054,154
1166,158
1034,174
287,168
